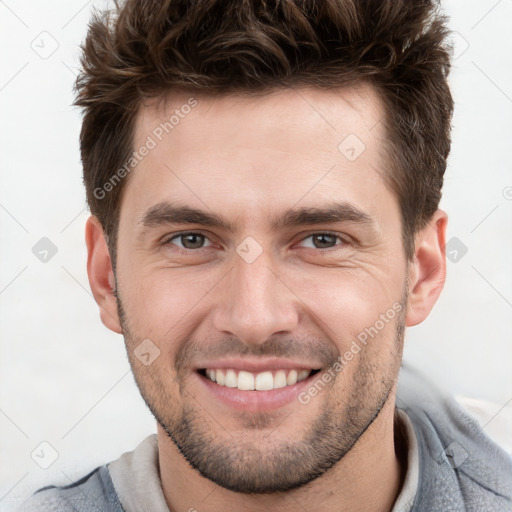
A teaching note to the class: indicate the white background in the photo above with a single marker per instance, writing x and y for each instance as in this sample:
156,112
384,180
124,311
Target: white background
65,379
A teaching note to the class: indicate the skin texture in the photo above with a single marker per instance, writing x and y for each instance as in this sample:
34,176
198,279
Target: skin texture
304,298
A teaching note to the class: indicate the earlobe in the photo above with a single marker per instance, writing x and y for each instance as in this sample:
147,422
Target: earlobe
101,275
427,272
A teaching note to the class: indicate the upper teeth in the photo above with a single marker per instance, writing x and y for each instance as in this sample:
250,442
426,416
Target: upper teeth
262,381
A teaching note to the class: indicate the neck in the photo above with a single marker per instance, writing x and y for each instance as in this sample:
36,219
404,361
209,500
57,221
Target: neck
368,478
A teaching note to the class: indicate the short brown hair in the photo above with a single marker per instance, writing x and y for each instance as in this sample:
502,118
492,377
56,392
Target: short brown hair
148,48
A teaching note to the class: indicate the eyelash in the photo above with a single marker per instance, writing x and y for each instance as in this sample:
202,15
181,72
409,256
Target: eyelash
344,242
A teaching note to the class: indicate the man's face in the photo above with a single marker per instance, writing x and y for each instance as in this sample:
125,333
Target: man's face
278,290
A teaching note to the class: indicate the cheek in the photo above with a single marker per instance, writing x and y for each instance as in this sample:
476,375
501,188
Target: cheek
164,301
345,301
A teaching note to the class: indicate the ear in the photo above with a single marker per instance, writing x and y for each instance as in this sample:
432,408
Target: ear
101,275
427,271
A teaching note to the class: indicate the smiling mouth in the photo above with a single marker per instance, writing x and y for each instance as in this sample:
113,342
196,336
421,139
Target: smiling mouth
262,381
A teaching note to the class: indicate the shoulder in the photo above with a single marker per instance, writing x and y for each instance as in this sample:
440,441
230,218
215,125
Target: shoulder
92,493
461,468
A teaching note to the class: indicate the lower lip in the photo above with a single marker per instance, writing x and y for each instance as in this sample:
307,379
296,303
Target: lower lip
256,401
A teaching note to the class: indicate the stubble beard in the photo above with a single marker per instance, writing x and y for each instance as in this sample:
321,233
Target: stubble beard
262,464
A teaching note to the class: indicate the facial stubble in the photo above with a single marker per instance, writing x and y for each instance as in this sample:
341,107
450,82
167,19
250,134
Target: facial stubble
255,463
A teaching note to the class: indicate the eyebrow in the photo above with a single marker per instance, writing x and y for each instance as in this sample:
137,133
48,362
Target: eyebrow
169,213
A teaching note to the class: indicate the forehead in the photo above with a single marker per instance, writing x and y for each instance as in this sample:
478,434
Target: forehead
291,114
250,155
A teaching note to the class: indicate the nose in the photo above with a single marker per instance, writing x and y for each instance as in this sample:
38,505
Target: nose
255,303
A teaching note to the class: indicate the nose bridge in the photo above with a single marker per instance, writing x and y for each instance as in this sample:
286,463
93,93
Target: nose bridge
255,303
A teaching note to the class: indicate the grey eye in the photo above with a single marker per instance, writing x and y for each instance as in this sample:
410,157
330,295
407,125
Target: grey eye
322,240
189,240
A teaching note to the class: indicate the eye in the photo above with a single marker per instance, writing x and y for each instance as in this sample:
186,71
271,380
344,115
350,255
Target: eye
189,241
323,240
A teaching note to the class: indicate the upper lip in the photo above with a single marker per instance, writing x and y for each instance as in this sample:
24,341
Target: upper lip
257,365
